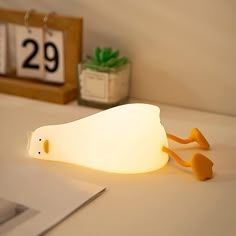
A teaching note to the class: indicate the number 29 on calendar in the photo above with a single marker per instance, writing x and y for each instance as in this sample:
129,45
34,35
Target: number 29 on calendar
40,54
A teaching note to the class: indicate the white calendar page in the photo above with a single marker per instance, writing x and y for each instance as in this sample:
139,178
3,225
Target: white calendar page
54,56
3,48
30,52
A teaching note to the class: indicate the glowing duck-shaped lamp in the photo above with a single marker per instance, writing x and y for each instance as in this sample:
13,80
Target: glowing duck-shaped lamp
125,139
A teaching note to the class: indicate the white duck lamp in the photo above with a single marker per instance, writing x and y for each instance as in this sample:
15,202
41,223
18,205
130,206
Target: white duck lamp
125,139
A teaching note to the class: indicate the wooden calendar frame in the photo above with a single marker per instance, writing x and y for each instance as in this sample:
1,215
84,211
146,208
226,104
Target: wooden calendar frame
72,27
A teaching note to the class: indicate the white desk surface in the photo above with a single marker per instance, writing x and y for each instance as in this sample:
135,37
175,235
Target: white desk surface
166,202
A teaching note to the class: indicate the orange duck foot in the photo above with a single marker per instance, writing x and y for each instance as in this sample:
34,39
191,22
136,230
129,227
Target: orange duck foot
197,136
202,166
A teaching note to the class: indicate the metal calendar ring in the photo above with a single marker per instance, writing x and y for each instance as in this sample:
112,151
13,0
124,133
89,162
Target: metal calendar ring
45,22
26,18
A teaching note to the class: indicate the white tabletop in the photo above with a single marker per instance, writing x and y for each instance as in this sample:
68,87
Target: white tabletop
169,201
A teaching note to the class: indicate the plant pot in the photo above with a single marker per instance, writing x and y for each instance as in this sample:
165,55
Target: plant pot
104,89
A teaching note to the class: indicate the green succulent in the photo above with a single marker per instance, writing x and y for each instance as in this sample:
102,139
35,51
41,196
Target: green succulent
105,59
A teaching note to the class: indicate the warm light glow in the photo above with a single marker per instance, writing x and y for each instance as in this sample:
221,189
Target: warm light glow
124,139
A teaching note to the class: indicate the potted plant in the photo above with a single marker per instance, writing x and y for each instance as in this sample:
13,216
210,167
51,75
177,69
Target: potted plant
104,79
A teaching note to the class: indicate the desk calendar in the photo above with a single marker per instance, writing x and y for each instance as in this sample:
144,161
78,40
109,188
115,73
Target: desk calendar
48,49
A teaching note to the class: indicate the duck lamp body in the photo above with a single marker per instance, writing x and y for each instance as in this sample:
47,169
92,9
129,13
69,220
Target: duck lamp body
124,139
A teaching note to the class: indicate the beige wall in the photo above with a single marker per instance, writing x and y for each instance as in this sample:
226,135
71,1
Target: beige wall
183,51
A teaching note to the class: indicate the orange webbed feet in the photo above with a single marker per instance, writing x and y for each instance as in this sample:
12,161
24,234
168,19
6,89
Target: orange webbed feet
201,165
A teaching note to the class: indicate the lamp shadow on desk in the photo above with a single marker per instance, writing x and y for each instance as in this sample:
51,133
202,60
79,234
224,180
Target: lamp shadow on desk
223,178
